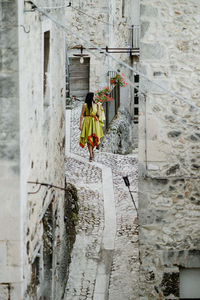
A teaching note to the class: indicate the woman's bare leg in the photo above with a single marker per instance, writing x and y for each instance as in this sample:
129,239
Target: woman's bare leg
90,149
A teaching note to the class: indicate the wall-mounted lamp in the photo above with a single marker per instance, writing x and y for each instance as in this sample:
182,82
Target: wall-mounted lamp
81,60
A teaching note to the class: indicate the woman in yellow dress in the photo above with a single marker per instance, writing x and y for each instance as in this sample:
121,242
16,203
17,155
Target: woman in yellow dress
91,129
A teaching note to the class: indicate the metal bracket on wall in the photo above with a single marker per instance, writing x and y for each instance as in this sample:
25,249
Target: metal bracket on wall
29,6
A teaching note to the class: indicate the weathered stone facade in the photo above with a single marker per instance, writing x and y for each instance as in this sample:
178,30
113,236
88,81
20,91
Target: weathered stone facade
32,226
169,152
93,21
106,23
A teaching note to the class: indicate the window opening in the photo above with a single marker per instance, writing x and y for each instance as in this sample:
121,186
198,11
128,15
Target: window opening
123,8
136,78
46,68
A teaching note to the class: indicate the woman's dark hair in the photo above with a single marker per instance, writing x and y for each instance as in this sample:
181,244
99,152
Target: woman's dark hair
89,99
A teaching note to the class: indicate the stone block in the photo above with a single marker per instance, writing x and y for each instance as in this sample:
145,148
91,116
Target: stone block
157,151
14,253
143,200
152,216
8,59
9,9
152,51
16,291
148,10
3,253
10,274
153,167
144,28
9,227
183,258
8,37
8,86
4,291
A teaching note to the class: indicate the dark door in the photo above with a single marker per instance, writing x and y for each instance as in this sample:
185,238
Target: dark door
79,76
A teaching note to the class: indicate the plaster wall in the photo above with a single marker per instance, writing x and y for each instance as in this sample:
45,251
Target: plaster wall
169,152
32,146
10,222
42,142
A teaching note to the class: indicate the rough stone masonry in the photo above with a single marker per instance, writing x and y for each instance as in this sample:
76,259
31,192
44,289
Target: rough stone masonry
169,147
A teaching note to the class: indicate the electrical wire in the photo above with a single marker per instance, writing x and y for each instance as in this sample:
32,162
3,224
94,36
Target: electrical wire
64,28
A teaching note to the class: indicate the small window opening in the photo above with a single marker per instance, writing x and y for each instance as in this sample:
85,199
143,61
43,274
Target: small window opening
123,8
136,78
190,283
136,100
136,111
46,67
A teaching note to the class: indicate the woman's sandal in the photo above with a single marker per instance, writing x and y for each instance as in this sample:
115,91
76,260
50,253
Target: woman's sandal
90,159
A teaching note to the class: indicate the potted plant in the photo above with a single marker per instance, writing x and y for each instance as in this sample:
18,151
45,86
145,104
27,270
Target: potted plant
118,79
103,95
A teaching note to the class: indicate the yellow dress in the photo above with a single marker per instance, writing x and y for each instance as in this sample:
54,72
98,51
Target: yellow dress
92,129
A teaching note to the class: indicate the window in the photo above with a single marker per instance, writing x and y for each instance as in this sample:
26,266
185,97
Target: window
46,69
136,78
123,8
190,283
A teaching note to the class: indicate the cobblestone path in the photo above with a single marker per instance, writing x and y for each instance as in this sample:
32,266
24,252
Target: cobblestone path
123,273
85,254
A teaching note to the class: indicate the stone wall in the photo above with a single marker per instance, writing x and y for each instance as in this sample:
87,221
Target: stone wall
10,223
42,152
102,35
32,149
169,152
119,137
117,36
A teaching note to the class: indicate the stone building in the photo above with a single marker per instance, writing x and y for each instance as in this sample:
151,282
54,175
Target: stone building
112,24
169,152
33,257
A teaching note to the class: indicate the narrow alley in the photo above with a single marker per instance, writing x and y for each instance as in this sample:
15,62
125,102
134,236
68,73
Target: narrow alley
104,261
69,228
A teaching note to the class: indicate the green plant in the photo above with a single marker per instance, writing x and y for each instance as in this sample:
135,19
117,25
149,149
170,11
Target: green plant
103,95
119,79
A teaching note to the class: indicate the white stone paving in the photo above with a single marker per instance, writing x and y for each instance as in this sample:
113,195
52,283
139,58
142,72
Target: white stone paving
90,277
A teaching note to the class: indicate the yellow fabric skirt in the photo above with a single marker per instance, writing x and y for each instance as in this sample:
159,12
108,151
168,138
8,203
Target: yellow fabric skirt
91,132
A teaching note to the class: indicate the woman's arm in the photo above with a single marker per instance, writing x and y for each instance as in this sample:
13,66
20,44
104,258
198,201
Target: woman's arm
98,110
81,117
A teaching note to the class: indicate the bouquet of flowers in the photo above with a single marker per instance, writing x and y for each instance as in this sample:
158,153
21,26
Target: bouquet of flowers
103,95
118,79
